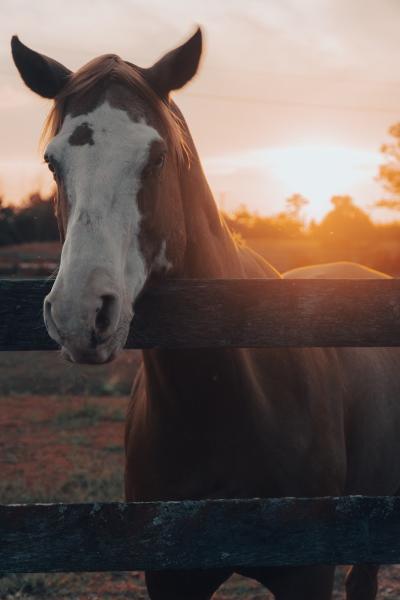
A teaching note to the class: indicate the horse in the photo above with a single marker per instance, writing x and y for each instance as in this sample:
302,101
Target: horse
134,207
336,270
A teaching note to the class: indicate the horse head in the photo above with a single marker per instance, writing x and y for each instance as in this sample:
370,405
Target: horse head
116,147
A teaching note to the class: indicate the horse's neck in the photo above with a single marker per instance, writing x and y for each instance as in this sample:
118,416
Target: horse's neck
211,252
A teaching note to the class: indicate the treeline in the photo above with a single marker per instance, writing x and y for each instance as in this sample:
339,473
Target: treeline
33,221
346,233
345,223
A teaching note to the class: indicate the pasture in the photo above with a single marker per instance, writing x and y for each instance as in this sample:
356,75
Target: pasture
83,432
40,259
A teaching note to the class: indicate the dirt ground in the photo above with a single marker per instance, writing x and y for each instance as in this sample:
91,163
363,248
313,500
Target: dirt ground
69,449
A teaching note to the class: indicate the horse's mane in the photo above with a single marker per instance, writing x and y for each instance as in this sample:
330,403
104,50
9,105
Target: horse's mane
111,68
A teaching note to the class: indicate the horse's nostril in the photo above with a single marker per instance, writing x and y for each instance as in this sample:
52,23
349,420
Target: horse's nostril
106,314
49,321
47,312
102,320
48,316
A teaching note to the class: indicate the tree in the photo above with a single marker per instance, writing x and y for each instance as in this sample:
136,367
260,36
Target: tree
33,221
345,223
389,172
295,203
8,232
386,203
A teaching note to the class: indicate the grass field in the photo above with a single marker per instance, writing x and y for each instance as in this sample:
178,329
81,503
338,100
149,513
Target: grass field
283,254
70,449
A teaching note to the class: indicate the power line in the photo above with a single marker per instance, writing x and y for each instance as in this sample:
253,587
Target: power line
292,103
332,77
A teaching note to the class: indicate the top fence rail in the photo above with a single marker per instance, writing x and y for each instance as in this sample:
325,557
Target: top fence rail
229,313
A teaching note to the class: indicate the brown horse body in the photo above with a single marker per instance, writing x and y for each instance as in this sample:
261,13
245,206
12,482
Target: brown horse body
218,423
239,423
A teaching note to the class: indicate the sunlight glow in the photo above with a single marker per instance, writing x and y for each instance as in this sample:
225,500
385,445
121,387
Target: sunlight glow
19,178
316,171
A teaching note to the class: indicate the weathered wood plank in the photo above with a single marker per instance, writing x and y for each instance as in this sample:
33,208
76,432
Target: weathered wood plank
223,313
199,534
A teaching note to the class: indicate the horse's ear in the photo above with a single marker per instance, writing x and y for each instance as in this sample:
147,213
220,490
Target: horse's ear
177,67
41,74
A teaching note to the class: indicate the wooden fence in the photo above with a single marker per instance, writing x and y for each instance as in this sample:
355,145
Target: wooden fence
212,533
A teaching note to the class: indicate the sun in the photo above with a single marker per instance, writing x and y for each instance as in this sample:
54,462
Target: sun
317,171
320,171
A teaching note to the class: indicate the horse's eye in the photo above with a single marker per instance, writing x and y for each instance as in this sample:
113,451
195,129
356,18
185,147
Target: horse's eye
50,164
154,166
159,162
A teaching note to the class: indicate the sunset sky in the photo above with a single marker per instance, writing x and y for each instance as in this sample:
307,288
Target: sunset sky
292,95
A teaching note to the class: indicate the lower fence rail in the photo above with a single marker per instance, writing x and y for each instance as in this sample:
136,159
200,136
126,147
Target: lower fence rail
199,534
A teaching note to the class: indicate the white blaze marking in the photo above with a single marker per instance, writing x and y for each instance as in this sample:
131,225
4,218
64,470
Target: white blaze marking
102,181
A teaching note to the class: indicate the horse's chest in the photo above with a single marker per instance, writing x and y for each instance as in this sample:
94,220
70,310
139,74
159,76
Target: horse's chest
240,455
